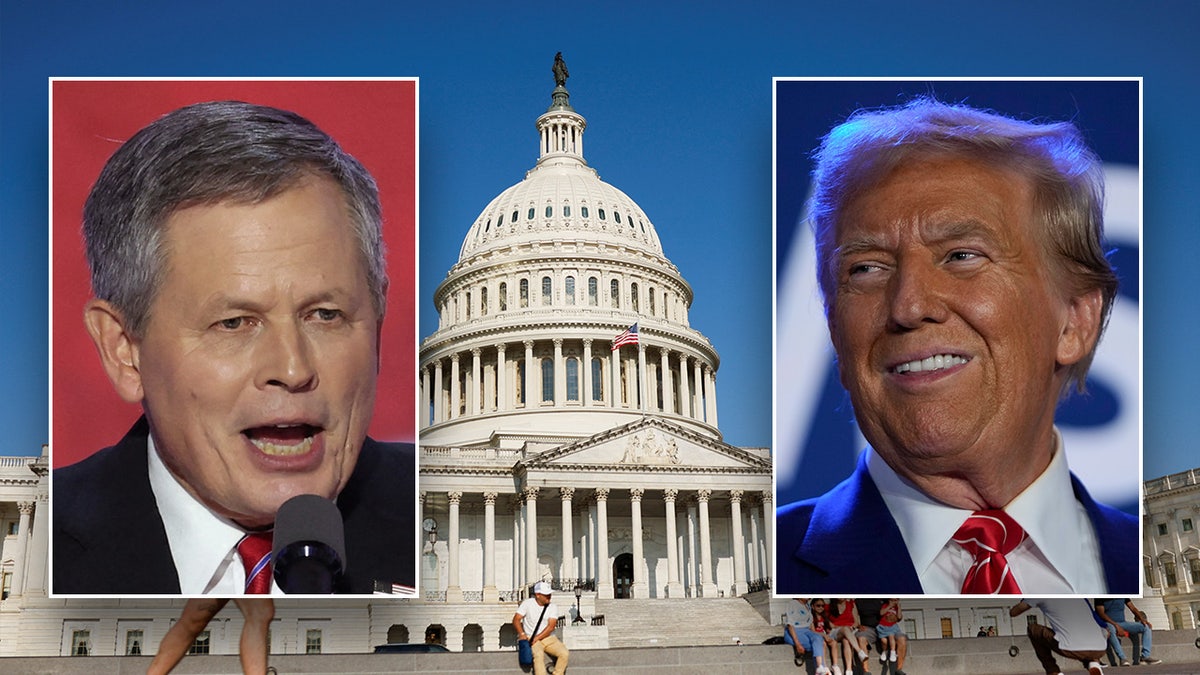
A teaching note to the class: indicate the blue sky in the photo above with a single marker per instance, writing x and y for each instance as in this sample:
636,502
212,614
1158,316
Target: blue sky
678,100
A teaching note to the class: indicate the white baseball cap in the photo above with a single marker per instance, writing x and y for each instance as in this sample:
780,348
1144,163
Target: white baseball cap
542,588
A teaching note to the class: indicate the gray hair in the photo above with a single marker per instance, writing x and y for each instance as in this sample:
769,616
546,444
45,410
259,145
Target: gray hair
204,154
1065,174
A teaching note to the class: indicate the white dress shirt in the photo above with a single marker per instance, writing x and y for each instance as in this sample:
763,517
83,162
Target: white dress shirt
1060,555
203,544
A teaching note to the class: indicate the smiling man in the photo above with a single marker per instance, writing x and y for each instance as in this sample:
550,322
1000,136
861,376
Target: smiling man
237,265
960,256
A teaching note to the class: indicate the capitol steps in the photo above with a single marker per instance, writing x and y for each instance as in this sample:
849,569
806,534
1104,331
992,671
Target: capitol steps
681,622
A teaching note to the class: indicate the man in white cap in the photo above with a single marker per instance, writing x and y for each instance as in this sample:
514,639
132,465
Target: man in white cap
535,620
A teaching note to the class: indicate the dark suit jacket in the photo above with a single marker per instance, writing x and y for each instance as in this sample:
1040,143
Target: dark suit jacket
110,540
846,542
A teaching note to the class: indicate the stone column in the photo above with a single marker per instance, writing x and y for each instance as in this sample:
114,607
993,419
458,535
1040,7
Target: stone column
582,539
754,562
560,374
531,538
489,548
693,563
37,550
604,587
453,589
615,394
768,529
19,555
642,384
593,543
685,401
501,379
698,395
710,395
668,390
568,543
641,589
739,543
474,399
439,405
674,588
531,376
518,566
455,392
585,395
708,586
424,417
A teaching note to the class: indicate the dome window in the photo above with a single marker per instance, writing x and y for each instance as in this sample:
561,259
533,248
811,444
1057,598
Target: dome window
633,297
514,216
601,212
524,291
572,379
549,211
617,216
500,221
643,225
566,211
488,227
583,211
615,293
503,296
597,379
547,381
531,212
569,290
593,291
547,290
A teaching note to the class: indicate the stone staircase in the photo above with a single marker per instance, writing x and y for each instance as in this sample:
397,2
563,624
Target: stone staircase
683,622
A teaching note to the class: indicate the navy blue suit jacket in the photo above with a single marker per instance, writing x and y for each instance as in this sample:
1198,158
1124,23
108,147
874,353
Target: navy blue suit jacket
846,542
110,540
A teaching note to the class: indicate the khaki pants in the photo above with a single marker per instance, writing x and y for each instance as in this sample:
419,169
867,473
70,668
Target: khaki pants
552,646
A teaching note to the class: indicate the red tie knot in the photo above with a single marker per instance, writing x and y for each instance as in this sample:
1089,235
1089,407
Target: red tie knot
989,536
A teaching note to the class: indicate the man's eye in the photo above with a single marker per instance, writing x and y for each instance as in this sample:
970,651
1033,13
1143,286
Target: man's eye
961,256
326,314
232,323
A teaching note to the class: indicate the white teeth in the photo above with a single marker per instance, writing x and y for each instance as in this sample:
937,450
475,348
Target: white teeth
936,362
269,448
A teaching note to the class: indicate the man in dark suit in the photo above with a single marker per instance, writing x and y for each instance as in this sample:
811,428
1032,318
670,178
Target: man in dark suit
237,265
960,255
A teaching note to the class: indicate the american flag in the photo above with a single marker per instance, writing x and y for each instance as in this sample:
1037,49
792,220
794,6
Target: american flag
629,337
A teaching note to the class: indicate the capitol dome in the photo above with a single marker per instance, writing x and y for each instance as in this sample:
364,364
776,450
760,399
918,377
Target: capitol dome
552,270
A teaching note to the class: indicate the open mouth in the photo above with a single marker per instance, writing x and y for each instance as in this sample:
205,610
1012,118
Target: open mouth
931,363
283,440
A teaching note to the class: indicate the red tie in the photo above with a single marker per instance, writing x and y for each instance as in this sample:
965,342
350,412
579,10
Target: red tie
989,536
255,551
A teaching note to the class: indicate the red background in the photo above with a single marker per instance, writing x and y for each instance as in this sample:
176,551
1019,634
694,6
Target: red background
373,120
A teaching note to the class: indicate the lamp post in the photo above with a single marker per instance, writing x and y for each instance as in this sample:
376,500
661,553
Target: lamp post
578,597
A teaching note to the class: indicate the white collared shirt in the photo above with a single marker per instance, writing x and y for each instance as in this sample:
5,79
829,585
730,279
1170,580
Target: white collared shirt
203,544
1060,555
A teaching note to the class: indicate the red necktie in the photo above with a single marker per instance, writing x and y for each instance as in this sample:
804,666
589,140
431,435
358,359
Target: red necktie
255,552
989,536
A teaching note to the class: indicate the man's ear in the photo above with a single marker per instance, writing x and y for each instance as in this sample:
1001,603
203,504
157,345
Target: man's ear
1082,327
118,348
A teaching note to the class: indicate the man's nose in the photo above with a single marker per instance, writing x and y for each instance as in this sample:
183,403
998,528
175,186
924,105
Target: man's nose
286,360
915,295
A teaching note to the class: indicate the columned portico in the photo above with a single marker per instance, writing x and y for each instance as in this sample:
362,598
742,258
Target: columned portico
604,585
568,543
453,588
708,588
531,538
674,588
489,547
640,587
739,545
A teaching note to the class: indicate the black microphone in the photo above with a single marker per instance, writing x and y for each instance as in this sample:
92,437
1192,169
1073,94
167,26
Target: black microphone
309,548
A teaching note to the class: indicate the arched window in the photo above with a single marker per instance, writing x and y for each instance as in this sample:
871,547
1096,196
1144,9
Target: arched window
468,303
483,308
601,212
520,383
569,290
617,216
549,211
524,291
593,291
615,292
514,216
651,301
633,297
531,211
597,378
547,380
547,290
572,379
488,227
583,210
500,221
503,296
566,210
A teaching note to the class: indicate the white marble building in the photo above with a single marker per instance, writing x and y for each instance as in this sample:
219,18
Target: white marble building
546,453
1171,545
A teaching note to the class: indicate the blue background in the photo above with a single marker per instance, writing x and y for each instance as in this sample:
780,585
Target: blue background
678,99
